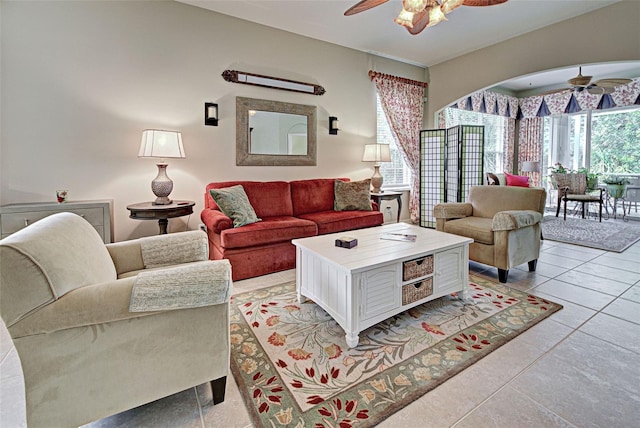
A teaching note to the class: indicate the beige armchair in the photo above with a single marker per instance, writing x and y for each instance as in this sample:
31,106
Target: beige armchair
66,299
503,221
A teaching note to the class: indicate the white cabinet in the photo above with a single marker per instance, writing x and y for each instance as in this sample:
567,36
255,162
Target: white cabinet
14,217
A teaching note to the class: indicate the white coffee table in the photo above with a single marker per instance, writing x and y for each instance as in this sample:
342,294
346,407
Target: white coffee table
379,278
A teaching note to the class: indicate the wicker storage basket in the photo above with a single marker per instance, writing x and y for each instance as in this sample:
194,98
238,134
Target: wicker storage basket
416,268
417,291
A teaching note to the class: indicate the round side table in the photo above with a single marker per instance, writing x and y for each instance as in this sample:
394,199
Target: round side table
162,213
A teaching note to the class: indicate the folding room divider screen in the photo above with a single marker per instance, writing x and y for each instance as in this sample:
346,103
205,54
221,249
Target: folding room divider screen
450,162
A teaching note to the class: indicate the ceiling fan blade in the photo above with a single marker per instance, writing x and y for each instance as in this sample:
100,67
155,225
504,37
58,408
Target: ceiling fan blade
612,83
420,22
363,5
483,2
555,91
599,90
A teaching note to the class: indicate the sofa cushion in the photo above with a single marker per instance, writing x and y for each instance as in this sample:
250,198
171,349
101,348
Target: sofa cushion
312,196
269,230
234,203
339,221
268,198
476,228
352,196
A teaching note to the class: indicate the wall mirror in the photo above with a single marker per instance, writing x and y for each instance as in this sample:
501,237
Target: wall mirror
273,133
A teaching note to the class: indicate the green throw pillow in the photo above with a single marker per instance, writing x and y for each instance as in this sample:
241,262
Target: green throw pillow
233,202
352,195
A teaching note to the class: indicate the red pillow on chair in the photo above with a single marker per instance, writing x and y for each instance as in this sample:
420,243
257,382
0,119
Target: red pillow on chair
517,180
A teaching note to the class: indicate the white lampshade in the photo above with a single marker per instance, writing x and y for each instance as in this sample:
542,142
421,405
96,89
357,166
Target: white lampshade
376,153
531,166
161,144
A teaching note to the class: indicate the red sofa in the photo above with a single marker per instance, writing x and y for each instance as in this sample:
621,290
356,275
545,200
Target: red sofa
289,210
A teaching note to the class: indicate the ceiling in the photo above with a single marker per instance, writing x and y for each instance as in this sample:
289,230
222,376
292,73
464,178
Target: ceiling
467,29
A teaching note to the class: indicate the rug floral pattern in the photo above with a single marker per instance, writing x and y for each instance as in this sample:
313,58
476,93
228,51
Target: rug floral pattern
294,368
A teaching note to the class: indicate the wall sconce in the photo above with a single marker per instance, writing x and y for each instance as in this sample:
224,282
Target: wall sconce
333,125
211,114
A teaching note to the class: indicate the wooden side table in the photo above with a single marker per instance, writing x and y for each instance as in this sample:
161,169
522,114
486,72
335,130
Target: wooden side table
388,196
162,213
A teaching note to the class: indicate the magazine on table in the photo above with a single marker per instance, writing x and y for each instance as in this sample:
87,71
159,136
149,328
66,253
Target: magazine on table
407,237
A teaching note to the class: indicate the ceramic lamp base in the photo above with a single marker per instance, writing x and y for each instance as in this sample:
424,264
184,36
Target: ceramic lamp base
376,179
162,186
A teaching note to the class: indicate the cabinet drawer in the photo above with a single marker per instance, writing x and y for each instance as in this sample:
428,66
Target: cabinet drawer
417,291
416,268
12,222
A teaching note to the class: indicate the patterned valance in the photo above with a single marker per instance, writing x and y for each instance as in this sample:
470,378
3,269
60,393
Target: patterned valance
550,104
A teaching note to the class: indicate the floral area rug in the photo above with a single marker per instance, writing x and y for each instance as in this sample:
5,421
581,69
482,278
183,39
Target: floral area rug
294,368
606,235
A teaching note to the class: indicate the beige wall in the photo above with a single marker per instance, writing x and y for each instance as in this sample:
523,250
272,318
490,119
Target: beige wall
608,34
81,80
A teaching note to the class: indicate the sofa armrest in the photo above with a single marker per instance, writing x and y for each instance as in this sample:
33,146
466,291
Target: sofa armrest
453,210
215,220
511,220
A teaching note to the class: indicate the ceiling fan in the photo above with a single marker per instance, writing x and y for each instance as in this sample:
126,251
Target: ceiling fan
581,83
416,15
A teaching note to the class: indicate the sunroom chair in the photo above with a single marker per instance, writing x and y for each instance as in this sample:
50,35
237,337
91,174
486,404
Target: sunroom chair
503,221
88,347
573,187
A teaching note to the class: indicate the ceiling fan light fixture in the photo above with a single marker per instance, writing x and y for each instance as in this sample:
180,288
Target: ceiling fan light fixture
449,5
414,6
405,18
436,16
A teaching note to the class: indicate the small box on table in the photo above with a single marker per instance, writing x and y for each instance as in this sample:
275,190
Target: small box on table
346,242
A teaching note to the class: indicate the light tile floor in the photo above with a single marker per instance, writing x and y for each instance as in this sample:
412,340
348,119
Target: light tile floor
578,368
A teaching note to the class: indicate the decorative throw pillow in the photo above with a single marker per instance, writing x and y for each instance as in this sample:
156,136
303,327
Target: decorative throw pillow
502,179
233,202
517,180
352,195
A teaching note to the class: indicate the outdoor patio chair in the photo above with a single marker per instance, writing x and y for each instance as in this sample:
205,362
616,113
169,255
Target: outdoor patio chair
573,187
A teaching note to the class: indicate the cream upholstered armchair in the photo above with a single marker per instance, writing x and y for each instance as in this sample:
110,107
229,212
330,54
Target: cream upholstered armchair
102,329
503,221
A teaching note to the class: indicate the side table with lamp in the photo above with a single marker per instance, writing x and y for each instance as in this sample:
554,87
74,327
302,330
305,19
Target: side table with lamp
161,144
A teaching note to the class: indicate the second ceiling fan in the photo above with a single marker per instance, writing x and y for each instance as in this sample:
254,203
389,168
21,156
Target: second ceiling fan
583,83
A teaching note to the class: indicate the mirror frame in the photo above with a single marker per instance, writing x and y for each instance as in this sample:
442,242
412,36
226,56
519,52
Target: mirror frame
245,157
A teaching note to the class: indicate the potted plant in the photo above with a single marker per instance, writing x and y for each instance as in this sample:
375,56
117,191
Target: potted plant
592,179
557,168
616,185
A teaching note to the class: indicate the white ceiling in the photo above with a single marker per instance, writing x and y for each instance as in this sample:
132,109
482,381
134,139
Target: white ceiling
467,29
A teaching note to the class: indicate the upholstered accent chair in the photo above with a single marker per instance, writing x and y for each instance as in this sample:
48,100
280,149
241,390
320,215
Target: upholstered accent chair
573,187
65,298
503,221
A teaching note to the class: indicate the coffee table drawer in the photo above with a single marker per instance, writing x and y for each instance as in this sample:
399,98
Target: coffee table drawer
417,291
412,269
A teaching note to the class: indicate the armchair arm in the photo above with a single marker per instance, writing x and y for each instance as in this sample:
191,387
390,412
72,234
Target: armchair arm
110,301
511,220
453,210
85,306
215,220
174,248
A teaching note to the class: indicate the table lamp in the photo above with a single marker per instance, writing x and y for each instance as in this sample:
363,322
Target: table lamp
161,144
376,153
531,167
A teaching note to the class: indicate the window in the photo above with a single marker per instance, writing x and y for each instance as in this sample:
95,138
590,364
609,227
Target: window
604,141
396,173
494,134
